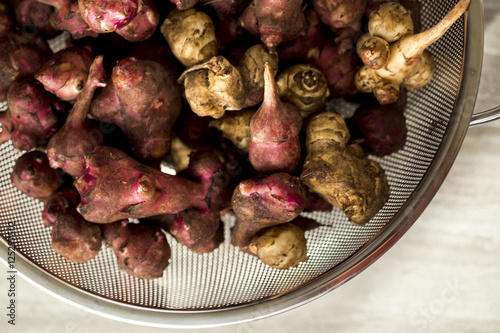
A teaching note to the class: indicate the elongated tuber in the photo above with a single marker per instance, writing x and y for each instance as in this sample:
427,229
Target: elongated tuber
33,175
408,63
65,73
356,185
115,187
77,137
74,238
274,21
34,114
190,35
305,86
214,87
274,132
264,202
141,250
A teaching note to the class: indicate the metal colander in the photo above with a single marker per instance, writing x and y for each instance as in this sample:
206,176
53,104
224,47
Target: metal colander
228,286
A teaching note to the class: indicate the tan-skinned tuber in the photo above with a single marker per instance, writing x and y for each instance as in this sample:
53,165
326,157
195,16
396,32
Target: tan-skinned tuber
408,64
191,36
305,86
356,185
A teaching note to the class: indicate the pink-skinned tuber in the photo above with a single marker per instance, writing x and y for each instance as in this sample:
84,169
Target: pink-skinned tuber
78,136
200,229
144,100
22,54
115,187
274,132
66,72
104,16
222,7
264,202
34,114
33,175
354,184
67,17
74,238
339,13
141,250
33,15
58,203
275,21
143,25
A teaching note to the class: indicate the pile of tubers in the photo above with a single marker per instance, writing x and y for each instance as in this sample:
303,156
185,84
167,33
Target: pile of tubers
232,96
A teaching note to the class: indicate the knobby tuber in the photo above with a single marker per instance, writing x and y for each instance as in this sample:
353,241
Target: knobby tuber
408,64
78,136
235,126
274,132
34,114
67,17
65,73
33,175
104,16
22,54
264,202
251,68
141,250
281,246
58,203
144,100
34,16
214,87
339,13
74,238
356,185
259,206
305,86
143,25
275,21
190,35
115,187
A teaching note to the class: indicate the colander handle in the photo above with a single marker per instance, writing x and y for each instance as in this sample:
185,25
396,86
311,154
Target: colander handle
483,117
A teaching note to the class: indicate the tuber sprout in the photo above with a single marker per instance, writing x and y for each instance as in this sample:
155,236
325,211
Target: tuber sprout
77,137
408,64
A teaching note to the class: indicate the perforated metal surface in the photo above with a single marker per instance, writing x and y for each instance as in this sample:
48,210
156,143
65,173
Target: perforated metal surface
227,277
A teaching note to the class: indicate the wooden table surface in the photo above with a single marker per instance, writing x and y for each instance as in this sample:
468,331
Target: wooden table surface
442,276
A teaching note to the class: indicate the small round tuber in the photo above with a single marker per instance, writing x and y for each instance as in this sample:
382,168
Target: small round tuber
104,16
191,36
33,175
235,127
282,246
143,25
304,86
390,21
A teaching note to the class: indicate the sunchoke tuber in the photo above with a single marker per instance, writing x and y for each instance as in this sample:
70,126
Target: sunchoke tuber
356,185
